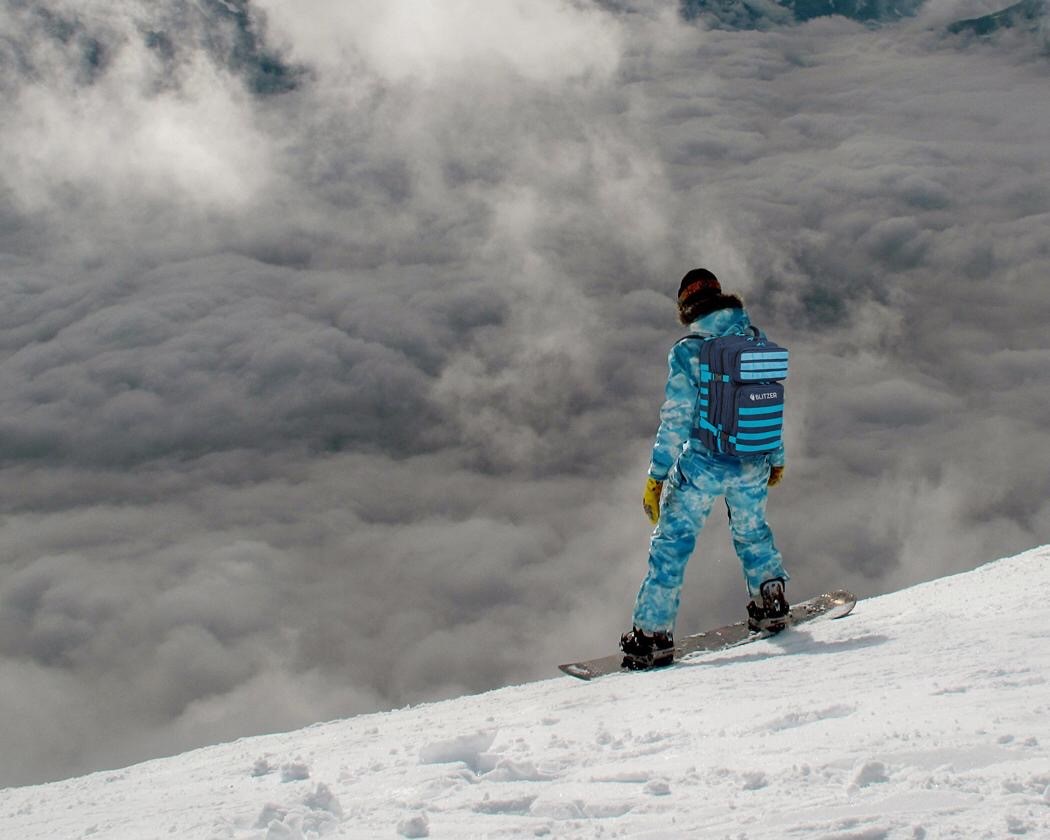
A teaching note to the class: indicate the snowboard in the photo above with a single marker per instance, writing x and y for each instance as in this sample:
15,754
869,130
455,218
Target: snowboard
829,605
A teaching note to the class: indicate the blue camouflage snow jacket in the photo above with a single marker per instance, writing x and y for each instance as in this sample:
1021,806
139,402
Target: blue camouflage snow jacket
682,392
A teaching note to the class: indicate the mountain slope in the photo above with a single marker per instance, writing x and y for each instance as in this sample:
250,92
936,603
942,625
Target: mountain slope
763,14
924,714
1027,16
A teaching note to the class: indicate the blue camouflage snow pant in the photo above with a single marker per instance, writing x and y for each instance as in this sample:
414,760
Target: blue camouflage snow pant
695,482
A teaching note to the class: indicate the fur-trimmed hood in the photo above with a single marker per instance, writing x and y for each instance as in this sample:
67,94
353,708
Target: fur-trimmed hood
689,312
728,320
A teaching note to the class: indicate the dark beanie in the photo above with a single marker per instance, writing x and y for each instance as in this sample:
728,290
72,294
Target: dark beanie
698,283
700,293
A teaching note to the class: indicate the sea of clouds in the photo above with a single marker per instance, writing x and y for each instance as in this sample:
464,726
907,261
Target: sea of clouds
333,336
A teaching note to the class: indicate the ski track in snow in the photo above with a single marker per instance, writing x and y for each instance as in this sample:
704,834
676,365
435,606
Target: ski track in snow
926,714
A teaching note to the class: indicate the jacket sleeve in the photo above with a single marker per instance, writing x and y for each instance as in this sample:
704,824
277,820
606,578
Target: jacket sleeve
676,415
777,457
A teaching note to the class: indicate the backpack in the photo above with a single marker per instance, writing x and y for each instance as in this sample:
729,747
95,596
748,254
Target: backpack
740,408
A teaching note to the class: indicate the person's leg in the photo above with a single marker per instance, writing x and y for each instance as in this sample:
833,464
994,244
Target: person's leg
746,496
683,511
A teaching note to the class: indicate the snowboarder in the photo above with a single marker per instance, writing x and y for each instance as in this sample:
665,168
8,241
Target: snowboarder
685,479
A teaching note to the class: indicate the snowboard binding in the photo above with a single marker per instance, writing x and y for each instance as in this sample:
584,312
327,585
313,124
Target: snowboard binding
769,611
643,651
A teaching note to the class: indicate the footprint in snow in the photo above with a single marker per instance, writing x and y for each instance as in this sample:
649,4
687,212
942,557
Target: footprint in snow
295,771
868,773
417,826
469,749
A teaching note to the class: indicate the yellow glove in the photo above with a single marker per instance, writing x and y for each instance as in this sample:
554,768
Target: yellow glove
651,499
775,475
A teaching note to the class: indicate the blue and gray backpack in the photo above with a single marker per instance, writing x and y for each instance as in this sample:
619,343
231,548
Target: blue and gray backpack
740,410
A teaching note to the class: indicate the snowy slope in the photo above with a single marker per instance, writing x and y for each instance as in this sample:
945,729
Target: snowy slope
925,714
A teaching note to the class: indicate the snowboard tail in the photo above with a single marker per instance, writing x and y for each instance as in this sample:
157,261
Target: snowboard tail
829,605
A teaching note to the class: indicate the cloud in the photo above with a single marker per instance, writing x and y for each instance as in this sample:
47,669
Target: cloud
547,41
330,395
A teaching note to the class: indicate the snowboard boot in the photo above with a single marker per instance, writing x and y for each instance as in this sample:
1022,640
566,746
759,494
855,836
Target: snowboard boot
769,609
642,650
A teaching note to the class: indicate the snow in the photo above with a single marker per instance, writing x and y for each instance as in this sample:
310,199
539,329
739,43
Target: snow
925,714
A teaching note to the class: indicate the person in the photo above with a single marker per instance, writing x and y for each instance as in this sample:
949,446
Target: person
685,479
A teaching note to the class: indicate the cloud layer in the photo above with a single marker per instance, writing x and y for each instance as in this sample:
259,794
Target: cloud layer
332,345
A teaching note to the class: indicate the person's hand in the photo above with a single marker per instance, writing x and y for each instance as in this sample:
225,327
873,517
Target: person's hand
651,499
776,474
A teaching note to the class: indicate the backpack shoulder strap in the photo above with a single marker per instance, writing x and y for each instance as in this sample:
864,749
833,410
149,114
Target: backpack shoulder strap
752,330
